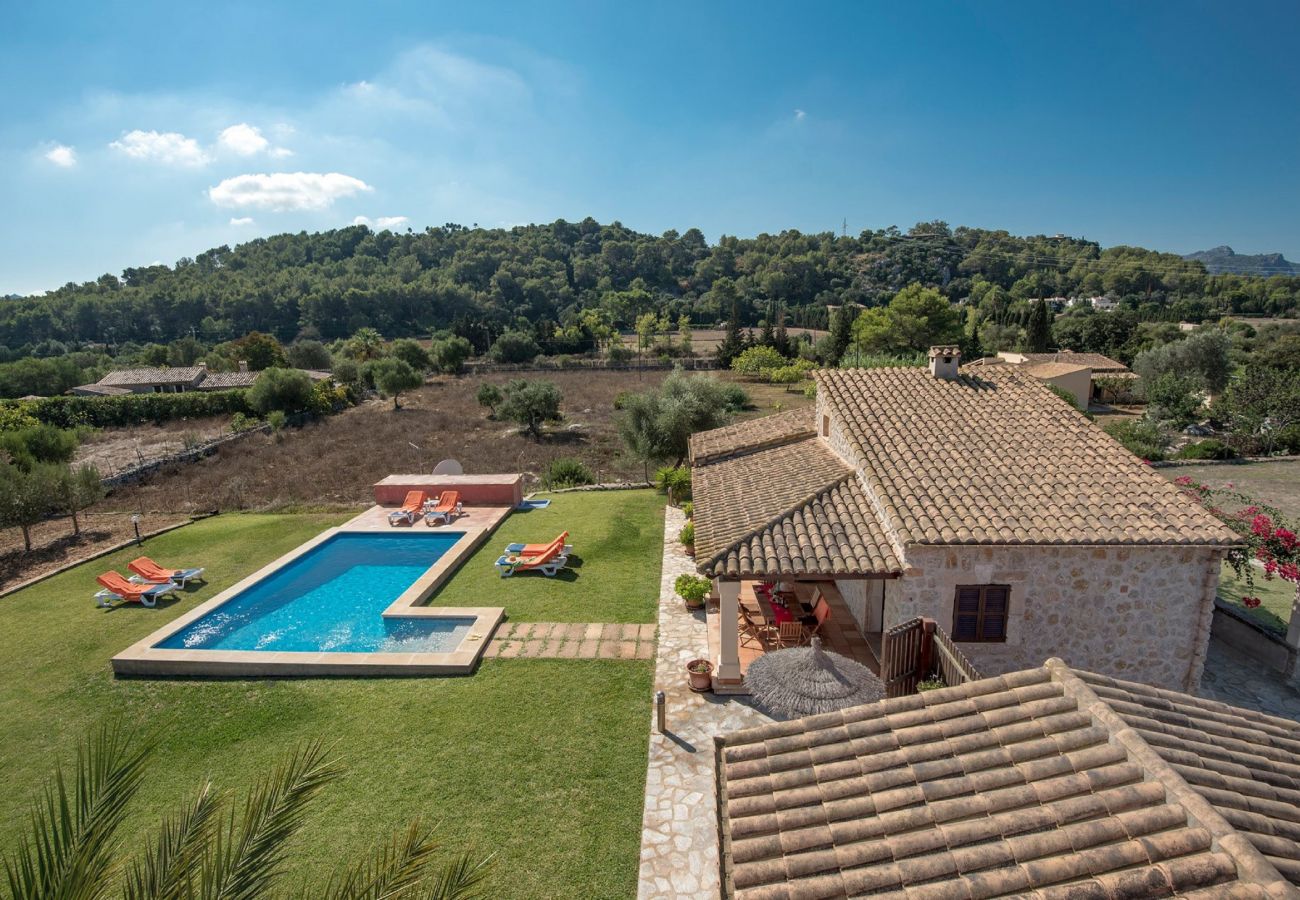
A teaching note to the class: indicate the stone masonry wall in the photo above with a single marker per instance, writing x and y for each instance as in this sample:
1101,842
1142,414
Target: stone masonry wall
1139,613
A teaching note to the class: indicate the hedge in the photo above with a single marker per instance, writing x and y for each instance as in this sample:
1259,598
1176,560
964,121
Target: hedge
129,409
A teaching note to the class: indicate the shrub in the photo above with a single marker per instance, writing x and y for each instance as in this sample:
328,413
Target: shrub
859,359
411,353
756,360
1173,398
448,354
688,509
1140,437
392,376
675,482
618,354
128,409
933,683
346,371
489,396
1208,449
276,419
810,390
1063,394
785,375
529,404
692,588
40,444
514,347
287,390
566,472
308,355
240,422
13,417
735,398
687,534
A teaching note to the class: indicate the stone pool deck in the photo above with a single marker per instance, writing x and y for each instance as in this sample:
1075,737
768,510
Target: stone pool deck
679,830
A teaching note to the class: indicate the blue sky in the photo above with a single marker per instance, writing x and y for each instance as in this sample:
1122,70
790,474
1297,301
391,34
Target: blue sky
138,132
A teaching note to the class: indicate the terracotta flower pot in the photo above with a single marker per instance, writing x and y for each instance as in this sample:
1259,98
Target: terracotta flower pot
700,673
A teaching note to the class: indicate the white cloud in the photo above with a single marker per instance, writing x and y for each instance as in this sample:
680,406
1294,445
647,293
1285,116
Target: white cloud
280,152
241,220
281,191
169,148
243,139
62,156
381,223
799,115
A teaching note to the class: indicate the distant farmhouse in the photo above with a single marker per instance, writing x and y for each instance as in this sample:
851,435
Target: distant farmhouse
165,380
1071,372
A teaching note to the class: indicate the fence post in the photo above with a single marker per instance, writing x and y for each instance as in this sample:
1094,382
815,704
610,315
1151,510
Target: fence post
926,667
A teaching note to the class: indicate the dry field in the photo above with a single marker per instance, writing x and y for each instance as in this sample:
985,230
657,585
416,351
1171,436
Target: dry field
1272,482
112,450
706,340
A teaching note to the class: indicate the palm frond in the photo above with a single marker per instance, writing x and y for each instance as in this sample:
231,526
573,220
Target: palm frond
460,879
247,852
68,852
391,871
178,851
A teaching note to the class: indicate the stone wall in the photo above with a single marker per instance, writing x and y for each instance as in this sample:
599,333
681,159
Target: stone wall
1140,613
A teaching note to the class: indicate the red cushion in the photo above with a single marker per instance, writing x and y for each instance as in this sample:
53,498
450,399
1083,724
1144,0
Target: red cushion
780,614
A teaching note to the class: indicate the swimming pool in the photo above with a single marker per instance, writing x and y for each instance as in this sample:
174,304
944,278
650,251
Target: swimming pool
351,601
332,599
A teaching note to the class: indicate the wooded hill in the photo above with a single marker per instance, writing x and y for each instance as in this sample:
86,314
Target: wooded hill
479,282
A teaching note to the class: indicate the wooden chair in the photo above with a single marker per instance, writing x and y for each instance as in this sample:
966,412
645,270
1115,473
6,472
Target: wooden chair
790,634
821,614
755,631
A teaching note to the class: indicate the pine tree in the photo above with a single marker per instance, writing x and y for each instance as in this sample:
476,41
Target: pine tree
732,343
1039,329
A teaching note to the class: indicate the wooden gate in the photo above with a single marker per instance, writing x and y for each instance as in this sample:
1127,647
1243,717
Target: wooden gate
917,650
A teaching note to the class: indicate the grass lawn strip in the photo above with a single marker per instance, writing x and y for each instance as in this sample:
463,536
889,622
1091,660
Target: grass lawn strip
1276,597
540,762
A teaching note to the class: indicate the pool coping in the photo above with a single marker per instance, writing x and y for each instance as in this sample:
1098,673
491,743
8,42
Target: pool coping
144,657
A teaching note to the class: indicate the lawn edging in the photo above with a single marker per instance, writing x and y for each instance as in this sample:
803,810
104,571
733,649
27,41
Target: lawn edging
99,553
1236,629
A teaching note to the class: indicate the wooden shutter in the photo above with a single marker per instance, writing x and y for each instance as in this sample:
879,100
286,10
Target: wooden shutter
966,620
980,613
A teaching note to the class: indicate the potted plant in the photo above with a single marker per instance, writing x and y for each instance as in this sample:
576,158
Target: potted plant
693,589
687,537
700,673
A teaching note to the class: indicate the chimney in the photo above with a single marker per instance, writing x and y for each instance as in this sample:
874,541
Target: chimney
243,365
944,362
202,365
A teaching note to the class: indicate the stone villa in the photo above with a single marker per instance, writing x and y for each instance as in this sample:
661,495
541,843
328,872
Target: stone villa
980,500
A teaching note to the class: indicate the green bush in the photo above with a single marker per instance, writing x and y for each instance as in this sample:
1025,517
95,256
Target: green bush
675,482
933,683
688,509
785,375
687,534
241,422
411,353
692,588
735,397
308,354
392,376
1208,449
618,354
756,360
346,371
14,417
276,419
287,390
448,354
514,347
1140,437
128,409
39,444
489,397
566,472
810,390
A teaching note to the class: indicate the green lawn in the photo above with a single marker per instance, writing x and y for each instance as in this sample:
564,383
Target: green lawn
1276,597
540,762
617,539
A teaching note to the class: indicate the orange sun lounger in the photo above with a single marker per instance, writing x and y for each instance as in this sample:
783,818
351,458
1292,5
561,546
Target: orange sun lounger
410,509
535,549
116,587
548,562
448,506
150,571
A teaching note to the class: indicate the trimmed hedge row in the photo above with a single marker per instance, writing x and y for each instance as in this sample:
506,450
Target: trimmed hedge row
130,409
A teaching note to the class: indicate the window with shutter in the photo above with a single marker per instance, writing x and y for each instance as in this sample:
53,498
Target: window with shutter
980,613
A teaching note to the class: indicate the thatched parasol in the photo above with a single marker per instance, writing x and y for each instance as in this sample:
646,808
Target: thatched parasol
804,681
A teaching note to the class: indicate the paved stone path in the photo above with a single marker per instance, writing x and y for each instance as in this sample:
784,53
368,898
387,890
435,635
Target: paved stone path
1233,677
679,832
572,640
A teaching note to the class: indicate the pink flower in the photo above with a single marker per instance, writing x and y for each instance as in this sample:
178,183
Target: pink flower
1261,526
1289,571
1286,537
1270,567
1183,480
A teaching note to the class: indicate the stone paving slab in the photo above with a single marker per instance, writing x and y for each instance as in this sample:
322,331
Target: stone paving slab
572,640
1231,676
679,831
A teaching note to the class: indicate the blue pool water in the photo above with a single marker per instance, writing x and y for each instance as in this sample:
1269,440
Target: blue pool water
331,598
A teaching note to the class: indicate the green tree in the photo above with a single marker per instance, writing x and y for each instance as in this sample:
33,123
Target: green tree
75,490
647,325
1203,355
514,347
916,319
411,353
530,404
657,425
366,344
260,351
207,847
726,297
392,376
27,496
1173,398
288,390
684,334
309,354
1038,333
757,360
449,354
841,334
489,396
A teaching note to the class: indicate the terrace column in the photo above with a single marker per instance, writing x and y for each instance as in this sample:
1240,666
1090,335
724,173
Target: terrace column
728,631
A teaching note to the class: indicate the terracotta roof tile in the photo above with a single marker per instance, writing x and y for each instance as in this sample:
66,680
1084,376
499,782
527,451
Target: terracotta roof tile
1039,782
793,509
1096,361
179,375
997,459
753,434
220,381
